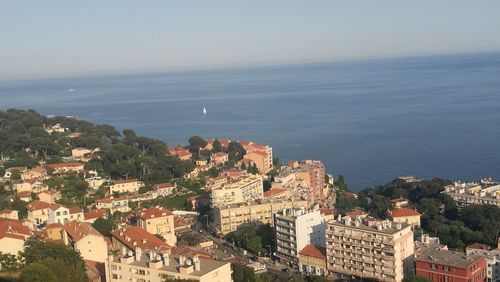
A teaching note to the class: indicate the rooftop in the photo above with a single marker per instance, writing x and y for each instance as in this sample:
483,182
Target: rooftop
37,205
313,251
13,229
79,230
136,237
403,212
445,257
153,213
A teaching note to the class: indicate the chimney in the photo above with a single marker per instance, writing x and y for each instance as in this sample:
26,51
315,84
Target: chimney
197,265
138,254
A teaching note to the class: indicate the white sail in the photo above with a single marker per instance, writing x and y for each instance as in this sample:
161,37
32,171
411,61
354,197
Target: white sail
204,110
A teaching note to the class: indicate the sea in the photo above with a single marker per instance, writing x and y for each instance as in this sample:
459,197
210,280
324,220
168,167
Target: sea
368,120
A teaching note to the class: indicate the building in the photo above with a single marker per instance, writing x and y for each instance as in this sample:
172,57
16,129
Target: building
80,152
24,196
244,189
94,214
444,265
38,212
61,214
125,186
38,172
82,237
181,153
153,266
69,167
316,171
49,196
158,221
492,257
400,202
312,260
12,236
294,229
260,155
356,213
9,214
405,215
54,232
162,189
113,204
228,218
95,182
485,192
277,193
369,248
125,240
219,158
199,201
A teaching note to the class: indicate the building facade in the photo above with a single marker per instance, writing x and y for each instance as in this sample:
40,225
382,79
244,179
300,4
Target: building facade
158,221
244,189
125,186
478,193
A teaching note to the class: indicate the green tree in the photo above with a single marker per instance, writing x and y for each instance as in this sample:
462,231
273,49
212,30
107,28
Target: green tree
15,175
104,226
8,262
216,146
37,272
242,273
235,151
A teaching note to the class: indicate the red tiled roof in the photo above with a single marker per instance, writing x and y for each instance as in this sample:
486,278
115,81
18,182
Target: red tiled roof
179,221
94,214
6,211
37,205
403,212
220,154
13,229
355,212
479,246
162,186
110,200
327,211
153,213
313,251
74,210
274,192
53,225
136,237
78,230
39,169
24,194
189,251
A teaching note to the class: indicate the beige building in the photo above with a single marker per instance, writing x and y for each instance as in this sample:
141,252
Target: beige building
126,186
219,158
82,237
9,214
158,221
12,236
485,192
227,218
61,214
80,152
260,155
369,248
312,260
243,189
38,172
38,212
95,182
69,167
54,232
113,204
49,196
405,215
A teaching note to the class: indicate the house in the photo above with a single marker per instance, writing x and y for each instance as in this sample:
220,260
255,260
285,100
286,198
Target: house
129,238
159,221
405,215
9,214
312,260
60,214
80,152
54,232
113,204
38,172
50,196
29,185
94,214
82,237
125,186
20,169
69,167
400,202
357,213
95,182
38,212
12,236
181,153
24,196
219,158
162,189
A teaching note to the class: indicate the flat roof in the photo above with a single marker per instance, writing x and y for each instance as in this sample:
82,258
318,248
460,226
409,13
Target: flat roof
451,258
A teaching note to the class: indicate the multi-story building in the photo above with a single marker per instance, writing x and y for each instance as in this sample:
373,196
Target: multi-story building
69,167
405,215
162,189
38,212
158,221
444,265
312,260
294,229
113,204
143,265
485,192
219,158
260,155
9,214
61,214
95,182
243,189
228,218
369,248
125,186
492,257
82,237
316,178
50,196
12,236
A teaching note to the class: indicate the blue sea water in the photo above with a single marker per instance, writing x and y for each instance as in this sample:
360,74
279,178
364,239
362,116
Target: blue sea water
374,120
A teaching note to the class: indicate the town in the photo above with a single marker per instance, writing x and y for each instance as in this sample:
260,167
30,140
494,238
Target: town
84,202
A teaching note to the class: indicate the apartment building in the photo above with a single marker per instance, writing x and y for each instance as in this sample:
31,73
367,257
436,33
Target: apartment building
228,218
158,221
38,212
260,155
82,237
162,189
61,214
294,229
444,265
316,178
405,215
125,186
12,236
243,189
9,214
113,204
153,266
492,257
312,260
485,192
369,248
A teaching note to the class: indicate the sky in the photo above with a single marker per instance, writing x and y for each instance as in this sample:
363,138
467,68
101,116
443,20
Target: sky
64,38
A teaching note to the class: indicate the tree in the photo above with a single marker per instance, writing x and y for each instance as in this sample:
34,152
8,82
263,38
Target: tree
37,272
8,262
64,272
104,226
235,151
15,175
242,273
197,142
216,146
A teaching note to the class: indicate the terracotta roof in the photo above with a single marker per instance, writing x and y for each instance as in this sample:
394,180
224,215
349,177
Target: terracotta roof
69,164
125,181
136,237
74,210
274,192
479,246
110,200
220,154
37,205
189,251
257,153
355,212
6,211
54,207
327,211
94,214
313,251
38,169
403,212
179,221
53,225
153,212
162,186
24,194
78,230
13,229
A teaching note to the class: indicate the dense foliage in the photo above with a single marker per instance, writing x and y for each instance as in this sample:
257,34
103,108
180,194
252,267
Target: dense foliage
253,237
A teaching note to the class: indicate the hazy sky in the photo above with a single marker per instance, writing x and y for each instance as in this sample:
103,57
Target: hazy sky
57,38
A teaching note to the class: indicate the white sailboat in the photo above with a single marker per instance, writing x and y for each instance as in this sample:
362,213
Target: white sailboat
204,110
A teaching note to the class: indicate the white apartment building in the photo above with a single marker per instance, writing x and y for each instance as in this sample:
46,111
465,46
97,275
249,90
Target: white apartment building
493,262
243,189
369,248
113,204
61,214
485,192
126,186
295,228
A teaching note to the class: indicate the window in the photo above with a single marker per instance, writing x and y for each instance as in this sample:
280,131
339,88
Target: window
433,266
445,268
